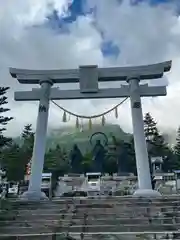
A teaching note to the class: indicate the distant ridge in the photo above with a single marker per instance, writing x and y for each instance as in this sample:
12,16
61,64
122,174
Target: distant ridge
68,136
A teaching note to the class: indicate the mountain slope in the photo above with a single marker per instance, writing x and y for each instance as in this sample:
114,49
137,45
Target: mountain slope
67,137
82,138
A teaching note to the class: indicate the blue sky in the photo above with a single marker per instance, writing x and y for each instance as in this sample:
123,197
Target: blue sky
153,2
77,8
40,37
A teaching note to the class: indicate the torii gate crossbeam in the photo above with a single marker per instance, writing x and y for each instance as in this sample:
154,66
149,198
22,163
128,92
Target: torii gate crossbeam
123,91
88,78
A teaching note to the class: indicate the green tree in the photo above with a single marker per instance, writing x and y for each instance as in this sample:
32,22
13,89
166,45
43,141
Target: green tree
4,120
28,136
150,127
123,155
28,141
177,145
155,141
27,131
156,145
129,146
13,162
16,157
177,150
111,159
87,164
56,160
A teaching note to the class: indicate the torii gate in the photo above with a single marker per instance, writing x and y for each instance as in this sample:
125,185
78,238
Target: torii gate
88,78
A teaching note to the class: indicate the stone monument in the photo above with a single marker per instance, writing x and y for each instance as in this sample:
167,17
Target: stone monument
76,159
98,156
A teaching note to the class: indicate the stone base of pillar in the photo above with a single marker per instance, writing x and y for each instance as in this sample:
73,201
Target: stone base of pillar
33,196
146,193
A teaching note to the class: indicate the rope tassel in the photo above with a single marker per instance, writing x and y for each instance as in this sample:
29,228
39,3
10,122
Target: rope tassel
77,122
90,124
116,112
103,120
64,117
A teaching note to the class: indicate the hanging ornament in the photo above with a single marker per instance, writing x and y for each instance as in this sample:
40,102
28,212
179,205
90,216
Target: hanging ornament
81,127
116,112
77,122
64,117
90,124
103,120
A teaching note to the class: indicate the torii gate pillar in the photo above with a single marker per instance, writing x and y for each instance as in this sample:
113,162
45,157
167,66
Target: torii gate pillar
34,189
142,163
88,78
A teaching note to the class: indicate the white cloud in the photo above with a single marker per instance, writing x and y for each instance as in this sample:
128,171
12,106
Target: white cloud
143,34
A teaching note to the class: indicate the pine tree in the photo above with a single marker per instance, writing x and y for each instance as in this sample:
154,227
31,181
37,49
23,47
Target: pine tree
56,160
157,147
4,141
28,136
124,154
13,162
154,139
176,151
110,164
150,127
177,145
28,141
87,164
150,131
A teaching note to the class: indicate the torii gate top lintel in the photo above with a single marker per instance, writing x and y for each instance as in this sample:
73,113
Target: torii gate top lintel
153,71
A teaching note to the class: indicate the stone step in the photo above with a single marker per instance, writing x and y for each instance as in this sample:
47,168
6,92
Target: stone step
90,228
90,221
79,206
37,217
40,211
130,236
26,230
139,204
100,206
121,228
113,214
105,199
43,206
37,237
120,212
76,219
124,198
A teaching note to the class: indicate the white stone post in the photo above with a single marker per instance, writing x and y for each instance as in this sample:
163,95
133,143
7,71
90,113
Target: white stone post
34,190
142,162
